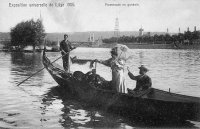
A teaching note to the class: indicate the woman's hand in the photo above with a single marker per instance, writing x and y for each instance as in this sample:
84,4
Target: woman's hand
96,60
92,62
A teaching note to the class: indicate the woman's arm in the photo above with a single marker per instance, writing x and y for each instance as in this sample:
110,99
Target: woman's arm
104,62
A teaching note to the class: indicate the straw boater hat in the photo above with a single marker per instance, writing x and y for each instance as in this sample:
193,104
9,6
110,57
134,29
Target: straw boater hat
142,67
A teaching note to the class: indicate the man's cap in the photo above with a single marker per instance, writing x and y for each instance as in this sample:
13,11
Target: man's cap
142,67
65,35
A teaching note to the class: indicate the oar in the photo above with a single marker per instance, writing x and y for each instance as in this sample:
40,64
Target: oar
95,67
42,69
128,69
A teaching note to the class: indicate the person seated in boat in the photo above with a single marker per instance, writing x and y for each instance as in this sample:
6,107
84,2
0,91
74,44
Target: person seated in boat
65,48
143,81
117,65
92,78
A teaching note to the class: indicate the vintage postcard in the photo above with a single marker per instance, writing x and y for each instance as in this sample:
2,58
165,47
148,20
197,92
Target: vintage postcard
99,64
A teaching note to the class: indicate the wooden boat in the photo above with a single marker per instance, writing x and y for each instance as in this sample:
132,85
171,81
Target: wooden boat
152,104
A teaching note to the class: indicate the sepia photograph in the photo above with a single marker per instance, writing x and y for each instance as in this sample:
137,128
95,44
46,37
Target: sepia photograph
99,64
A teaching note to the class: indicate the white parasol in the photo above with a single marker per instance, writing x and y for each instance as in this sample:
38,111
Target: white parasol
122,51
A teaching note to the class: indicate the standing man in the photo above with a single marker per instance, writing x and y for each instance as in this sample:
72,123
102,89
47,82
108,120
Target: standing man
65,48
143,81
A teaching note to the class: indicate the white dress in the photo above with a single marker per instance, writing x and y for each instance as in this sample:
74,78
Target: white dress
118,78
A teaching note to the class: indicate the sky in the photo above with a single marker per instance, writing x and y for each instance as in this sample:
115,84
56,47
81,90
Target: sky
97,15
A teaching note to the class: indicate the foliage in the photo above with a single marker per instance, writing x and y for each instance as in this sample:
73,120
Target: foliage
163,38
6,44
27,33
51,43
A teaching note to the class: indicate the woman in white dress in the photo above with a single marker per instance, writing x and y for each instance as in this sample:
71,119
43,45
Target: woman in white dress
117,66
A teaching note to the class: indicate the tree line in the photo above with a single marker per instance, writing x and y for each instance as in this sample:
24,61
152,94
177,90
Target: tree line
186,37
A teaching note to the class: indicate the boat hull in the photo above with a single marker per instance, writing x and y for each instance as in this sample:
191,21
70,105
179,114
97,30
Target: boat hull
134,107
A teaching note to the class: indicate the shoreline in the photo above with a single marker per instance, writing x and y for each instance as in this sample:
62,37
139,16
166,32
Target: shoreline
106,45
144,46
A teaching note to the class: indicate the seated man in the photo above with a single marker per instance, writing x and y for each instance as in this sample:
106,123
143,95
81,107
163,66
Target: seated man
143,81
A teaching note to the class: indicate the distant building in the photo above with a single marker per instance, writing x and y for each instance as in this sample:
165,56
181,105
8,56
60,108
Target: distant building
97,43
91,38
58,43
116,29
141,32
195,28
149,34
188,29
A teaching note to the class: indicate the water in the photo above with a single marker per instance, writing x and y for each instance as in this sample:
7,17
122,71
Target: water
37,103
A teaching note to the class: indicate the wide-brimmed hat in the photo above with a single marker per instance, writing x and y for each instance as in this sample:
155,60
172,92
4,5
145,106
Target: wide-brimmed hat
142,67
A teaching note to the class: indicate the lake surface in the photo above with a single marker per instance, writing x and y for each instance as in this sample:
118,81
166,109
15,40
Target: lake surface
37,103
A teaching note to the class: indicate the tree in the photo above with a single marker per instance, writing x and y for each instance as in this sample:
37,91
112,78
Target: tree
195,35
155,37
167,38
163,38
188,36
181,38
28,33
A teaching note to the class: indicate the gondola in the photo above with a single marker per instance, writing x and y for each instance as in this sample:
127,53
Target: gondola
153,104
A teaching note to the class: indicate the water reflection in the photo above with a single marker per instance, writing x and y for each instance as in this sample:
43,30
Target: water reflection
141,58
79,114
24,65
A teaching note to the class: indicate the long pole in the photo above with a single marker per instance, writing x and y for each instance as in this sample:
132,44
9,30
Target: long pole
95,67
41,69
44,67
